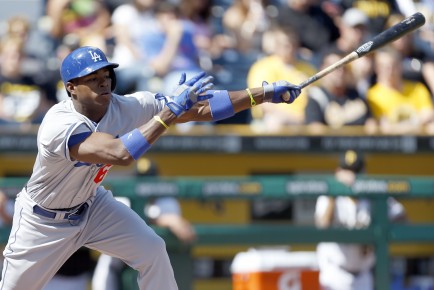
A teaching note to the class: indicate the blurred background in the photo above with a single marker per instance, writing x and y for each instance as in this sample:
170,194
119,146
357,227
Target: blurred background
379,107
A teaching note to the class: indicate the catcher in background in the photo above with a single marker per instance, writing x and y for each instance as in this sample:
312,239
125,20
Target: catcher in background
348,266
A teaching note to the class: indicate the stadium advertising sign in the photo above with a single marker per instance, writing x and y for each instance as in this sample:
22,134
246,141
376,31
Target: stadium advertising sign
230,188
309,186
381,186
162,188
360,186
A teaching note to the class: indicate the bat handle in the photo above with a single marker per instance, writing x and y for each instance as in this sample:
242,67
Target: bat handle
347,59
308,81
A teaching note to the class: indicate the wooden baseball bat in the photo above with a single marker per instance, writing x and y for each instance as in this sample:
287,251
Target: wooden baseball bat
389,35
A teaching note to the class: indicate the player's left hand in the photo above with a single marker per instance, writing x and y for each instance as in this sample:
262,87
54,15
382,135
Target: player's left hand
189,93
280,92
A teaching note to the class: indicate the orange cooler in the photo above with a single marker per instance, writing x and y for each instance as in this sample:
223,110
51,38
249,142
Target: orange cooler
269,269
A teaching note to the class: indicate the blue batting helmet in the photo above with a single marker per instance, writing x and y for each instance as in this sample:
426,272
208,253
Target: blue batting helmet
84,61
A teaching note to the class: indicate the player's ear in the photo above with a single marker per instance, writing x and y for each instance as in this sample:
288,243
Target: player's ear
70,88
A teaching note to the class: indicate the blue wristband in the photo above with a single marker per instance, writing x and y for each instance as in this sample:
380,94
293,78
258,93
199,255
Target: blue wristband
135,143
220,105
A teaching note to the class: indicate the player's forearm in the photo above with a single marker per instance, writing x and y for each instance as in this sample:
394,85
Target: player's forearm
190,103
240,101
138,141
157,125
106,149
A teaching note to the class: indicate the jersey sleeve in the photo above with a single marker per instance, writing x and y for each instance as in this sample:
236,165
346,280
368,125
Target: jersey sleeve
55,133
137,109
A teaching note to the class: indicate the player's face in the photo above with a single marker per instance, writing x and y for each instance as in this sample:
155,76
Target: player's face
91,94
94,88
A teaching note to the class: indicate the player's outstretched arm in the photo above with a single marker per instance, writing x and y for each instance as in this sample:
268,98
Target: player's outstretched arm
224,104
187,103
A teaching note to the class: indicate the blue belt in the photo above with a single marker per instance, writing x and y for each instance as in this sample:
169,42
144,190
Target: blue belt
74,215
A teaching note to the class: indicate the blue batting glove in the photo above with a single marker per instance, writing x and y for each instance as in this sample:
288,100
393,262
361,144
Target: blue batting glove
280,92
188,93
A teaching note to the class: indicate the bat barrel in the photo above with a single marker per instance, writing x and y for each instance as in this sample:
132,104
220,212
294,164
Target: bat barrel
391,34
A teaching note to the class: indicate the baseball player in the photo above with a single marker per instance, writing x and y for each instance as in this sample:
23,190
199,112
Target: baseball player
348,266
64,206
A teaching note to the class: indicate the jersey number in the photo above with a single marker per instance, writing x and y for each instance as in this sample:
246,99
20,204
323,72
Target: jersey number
102,172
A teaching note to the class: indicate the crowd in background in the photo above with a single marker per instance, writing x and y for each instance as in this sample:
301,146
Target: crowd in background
239,42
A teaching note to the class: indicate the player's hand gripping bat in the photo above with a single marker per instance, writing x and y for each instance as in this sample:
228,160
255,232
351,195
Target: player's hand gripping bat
391,34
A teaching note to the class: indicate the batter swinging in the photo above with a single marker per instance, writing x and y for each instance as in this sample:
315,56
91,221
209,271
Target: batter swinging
64,207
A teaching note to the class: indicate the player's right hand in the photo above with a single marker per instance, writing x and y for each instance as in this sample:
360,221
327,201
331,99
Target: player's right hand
280,92
189,93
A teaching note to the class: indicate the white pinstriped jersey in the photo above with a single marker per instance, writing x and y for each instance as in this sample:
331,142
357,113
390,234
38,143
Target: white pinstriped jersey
58,181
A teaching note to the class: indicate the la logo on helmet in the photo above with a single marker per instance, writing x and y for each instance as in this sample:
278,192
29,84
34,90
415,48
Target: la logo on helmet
95,56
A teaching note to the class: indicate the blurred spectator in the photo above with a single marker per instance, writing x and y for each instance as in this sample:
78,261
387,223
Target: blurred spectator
174,50
18,26
353,33
352,29
284,62
25,95
151,58
37,43
89,19
335,102
69,43
378,11
416,64
425,40
33,42
315,27
113,4
163,212
346,266
245,21
238,46
128,21
198,12
401,106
